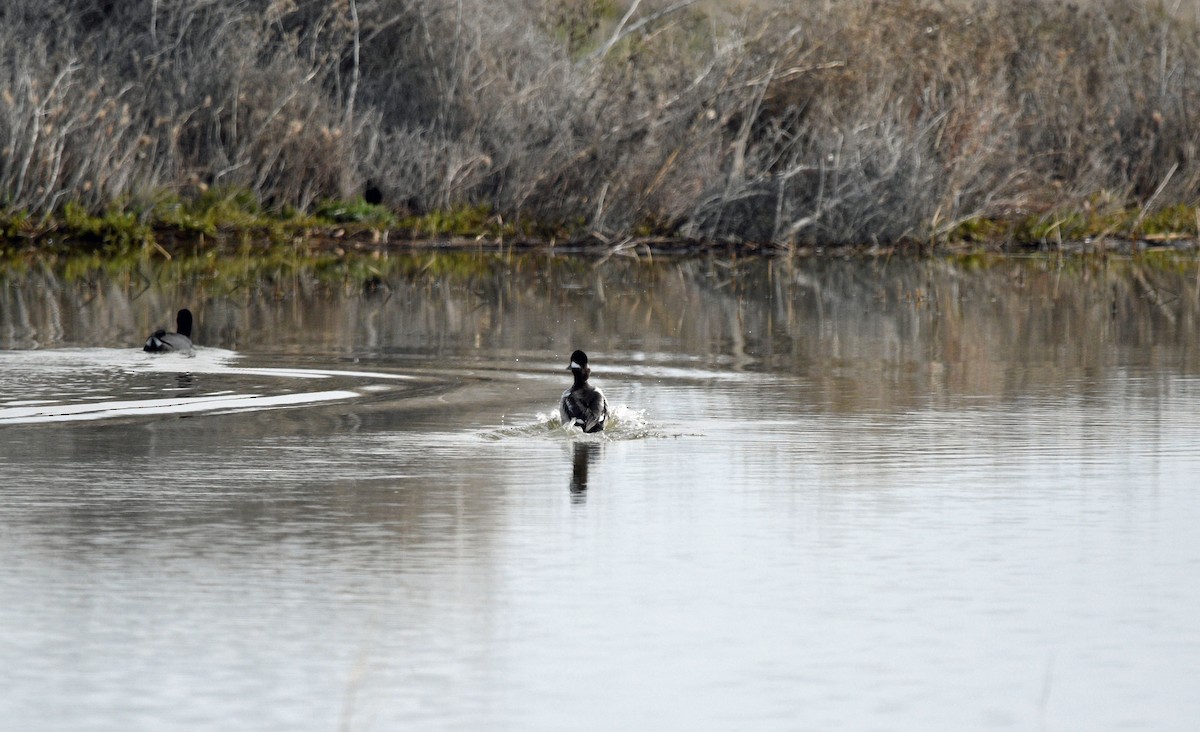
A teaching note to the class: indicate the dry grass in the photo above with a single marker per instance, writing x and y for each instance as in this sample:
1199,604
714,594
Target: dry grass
846,122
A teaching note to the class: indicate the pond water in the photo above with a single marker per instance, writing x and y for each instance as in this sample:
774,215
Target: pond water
848,494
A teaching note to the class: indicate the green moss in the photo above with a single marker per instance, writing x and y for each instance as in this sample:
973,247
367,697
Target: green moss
1178,219
655,225
359,212
1087,222
217,210
15,224
977,229
458,221
117,227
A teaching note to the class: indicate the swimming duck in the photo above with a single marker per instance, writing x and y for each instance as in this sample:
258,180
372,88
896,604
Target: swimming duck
583,405
162,341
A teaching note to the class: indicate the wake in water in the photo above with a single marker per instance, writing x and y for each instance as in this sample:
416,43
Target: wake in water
624,423
91,384
75,385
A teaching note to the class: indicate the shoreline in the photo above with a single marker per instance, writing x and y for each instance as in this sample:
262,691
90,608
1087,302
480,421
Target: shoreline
230,223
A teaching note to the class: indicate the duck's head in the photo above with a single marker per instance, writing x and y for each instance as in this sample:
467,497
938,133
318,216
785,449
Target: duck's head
183,323
579,364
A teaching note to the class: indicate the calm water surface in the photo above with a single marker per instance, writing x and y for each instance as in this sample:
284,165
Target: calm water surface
836,495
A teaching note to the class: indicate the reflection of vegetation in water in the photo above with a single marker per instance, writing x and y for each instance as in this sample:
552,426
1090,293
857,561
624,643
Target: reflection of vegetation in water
852,327
283,264
459,266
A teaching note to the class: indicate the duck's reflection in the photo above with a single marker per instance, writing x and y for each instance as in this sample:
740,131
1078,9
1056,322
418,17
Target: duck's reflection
582,455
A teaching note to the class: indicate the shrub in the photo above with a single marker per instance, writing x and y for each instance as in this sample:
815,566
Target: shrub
864,121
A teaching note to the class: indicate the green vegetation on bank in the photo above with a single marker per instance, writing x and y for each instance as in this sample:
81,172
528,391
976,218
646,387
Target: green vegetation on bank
1112,227
225,222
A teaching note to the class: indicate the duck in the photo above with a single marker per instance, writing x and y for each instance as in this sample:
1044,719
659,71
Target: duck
161,341
372,194
583,405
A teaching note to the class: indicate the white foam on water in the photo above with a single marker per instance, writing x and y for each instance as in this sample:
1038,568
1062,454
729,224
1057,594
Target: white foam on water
141,407
76,384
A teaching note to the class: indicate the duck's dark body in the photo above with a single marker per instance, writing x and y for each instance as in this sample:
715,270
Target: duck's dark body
583,405
161,341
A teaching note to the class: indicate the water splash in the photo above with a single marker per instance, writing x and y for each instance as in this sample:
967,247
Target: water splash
624,423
